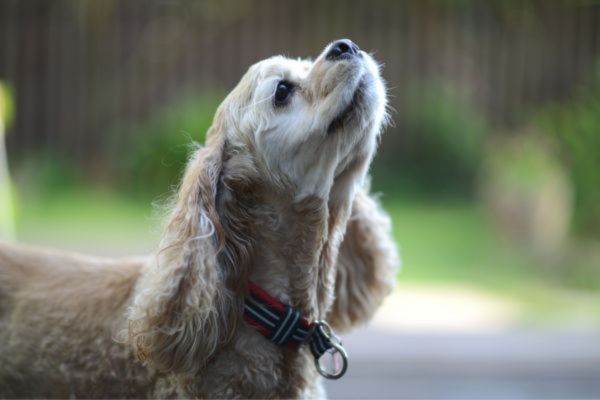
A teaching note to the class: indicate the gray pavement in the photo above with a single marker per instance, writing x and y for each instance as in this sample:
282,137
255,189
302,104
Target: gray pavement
511,365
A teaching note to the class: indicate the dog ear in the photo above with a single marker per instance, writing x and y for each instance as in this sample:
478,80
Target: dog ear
366,266
182,309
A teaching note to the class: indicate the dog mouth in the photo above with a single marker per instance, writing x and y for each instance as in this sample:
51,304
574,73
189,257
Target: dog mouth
347,113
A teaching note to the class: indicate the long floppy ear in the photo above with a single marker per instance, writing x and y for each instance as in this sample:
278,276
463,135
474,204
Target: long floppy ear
182,309
366,266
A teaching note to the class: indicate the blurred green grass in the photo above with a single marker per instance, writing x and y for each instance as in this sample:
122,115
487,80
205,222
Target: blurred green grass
440,242
94,220
454,243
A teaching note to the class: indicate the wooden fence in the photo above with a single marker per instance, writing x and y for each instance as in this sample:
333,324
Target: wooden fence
79,68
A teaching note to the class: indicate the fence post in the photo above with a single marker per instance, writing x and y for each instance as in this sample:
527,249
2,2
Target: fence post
7,211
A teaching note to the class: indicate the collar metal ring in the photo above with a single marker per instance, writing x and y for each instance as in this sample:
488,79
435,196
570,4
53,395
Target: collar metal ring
336,344
338,348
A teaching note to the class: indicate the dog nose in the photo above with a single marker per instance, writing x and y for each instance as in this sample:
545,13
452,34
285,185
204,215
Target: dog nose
342,47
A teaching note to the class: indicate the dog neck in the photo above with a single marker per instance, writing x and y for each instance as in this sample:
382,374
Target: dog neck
290,246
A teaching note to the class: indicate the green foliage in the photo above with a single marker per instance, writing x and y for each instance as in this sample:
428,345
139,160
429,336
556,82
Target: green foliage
163,142
576,126
46,173
524,163
7,210
528,195
448,134
7,105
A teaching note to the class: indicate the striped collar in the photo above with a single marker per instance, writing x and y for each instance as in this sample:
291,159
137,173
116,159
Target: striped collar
286,326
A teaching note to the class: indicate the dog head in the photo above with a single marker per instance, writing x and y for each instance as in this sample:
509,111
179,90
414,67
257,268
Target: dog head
304,123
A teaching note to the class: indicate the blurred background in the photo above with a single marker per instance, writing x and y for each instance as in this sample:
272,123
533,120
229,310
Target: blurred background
491,170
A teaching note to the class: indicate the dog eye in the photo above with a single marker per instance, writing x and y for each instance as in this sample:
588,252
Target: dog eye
283,92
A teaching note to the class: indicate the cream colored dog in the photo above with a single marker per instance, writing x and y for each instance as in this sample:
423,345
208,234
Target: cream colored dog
277,197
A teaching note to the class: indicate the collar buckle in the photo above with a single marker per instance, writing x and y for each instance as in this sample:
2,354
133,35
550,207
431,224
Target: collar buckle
336,349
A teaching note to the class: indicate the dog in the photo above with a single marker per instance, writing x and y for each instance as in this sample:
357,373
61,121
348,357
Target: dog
272,213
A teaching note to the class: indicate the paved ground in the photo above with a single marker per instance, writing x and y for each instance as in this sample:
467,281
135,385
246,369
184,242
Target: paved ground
515,365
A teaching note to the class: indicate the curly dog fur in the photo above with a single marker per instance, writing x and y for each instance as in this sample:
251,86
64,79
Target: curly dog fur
278,196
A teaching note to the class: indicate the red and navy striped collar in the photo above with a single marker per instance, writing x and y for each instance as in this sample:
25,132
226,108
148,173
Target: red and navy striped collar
284,325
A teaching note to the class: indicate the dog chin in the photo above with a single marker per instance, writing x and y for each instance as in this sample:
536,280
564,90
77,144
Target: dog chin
346,115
